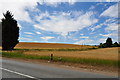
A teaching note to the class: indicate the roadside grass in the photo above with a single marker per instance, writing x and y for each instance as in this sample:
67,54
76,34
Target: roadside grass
92,62
18,54
89,61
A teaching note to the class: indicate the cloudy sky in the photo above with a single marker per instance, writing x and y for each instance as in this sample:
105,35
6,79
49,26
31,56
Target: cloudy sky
68,21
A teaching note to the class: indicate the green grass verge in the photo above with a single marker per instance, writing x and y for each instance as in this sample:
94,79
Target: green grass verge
93,62
21,55
89,61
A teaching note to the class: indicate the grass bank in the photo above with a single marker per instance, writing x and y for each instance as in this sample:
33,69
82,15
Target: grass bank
93,62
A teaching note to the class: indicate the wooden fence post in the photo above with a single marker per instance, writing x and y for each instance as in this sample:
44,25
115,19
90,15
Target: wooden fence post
51,57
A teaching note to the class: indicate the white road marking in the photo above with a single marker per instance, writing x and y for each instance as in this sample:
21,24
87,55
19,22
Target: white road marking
28,76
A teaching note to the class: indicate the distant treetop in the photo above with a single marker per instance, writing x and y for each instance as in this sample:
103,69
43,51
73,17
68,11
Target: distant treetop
109,43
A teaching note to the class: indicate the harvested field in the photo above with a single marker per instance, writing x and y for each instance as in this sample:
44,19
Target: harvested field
25,45
104,53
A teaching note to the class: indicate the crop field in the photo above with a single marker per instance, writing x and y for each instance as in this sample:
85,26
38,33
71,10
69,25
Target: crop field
107,54
69,50
66,53
24,45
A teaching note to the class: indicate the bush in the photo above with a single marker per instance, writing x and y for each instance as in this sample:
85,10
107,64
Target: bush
115,44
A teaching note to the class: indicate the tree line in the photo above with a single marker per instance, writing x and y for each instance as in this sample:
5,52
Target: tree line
109,43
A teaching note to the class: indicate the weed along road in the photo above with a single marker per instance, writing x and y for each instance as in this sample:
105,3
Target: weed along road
21,69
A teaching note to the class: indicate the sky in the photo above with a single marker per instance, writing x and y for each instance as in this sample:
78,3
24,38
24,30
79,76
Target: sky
68,21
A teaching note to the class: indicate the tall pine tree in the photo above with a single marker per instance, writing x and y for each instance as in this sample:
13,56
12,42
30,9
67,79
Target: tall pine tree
10,32
0,34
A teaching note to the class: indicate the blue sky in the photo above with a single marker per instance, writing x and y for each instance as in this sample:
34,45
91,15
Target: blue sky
87,23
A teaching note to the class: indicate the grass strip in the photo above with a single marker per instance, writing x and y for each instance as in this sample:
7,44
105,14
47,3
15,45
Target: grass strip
89,61
21,55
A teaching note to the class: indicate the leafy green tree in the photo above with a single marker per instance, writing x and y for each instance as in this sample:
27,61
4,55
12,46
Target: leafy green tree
119,44
100,46
10,32
115,44
109,43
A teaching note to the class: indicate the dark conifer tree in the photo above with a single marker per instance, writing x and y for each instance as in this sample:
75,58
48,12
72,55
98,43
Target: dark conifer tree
10,32
0,34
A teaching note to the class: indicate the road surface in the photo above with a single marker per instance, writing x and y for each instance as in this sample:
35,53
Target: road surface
20,69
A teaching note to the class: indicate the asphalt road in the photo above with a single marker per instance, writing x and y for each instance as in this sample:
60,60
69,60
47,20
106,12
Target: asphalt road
19,69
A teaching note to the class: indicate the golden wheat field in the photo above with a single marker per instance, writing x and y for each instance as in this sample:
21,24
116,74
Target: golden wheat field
107,54
25,45
102,53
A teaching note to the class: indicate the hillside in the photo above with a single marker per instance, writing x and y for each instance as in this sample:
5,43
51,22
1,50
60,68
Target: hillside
27,45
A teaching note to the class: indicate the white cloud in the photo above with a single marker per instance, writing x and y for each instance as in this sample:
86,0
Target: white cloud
85,37
28,33
113,34
112,11
105,35
85,42
96,27
111,24
47,38
110,20
81,34
112,27
36,41
55,2
25,39
62,23
38,32
17,8
28,36
73,1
